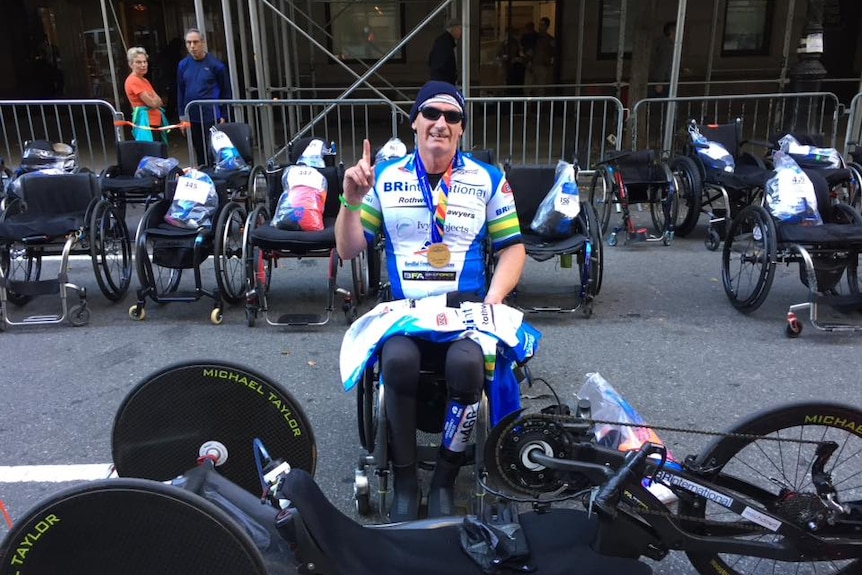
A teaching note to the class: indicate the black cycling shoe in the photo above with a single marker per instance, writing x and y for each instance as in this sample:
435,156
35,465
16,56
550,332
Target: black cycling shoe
406,494
441,493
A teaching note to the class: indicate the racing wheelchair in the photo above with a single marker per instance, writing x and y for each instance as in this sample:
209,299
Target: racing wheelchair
707,186
60,214
635,177
264,244
582,245
827,256
774,493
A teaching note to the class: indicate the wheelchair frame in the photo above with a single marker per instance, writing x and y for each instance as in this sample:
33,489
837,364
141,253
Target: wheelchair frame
615,191
103,236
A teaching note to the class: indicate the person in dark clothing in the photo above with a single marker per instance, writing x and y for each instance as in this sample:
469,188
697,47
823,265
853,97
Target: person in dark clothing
661,63
442,64
201,76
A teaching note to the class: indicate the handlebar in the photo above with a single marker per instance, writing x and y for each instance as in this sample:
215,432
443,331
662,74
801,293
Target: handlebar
634,466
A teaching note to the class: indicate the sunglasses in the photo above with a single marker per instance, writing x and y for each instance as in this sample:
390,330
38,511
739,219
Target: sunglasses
433,114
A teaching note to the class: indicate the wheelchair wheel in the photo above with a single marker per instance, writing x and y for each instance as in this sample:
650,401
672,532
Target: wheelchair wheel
20,264
748,259
162,280
855,192
229,267
664,207
361,280
594,232
258,187
119,526
196,402
110,250
775,476
366,409
689,189
602,196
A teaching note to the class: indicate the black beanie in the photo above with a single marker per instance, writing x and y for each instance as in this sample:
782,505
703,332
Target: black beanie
436,88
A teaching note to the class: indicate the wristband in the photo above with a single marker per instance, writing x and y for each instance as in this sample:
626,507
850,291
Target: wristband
347,204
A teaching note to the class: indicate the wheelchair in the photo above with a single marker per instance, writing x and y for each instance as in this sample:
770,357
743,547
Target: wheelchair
60,214
827,256
530,183
163,251
711,190
263,245
119,183
636,177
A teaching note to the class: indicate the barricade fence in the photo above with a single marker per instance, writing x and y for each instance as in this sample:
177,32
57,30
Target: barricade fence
853,136
763,116
88,124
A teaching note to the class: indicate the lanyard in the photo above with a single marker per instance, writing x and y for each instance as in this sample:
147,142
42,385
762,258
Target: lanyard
438,216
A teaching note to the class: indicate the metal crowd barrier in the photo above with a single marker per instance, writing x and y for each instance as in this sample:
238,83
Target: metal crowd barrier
276,123
763,115
87,123
853,135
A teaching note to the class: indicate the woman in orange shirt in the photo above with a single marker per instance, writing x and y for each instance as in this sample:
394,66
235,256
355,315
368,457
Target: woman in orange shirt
146,104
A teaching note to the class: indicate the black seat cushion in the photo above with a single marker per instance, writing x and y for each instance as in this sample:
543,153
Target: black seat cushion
540,249
55,205
271,238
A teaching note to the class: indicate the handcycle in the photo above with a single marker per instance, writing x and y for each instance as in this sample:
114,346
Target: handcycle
774,494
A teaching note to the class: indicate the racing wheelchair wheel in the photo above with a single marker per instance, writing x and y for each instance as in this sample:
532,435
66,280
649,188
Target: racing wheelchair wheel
229,265
602,196
197,402
769,469
593,231
664,206
119,526
748,259
110,250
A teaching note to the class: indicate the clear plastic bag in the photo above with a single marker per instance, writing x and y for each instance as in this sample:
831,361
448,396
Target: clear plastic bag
228,158
712,154
300,206
555,217
391,150
810,156
153,167
195,201
790,196
313,154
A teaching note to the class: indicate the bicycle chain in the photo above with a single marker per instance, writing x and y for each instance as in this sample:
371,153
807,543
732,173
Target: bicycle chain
564,419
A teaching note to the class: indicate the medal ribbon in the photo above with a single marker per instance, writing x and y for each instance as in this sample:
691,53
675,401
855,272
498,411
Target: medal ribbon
438,216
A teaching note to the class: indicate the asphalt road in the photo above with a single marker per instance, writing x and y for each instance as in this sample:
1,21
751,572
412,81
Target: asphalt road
662,332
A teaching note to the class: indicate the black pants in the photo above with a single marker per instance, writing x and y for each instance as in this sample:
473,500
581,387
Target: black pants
201,144
401,359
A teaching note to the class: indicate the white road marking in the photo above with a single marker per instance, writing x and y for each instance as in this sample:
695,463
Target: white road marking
55,473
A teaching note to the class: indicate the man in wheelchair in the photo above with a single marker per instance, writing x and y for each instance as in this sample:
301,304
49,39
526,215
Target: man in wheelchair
437,210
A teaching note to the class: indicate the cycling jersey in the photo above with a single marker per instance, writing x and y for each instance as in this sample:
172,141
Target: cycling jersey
480,207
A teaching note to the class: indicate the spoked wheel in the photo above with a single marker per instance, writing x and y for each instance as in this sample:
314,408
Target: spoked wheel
20,264
366,409
162,280
258,187
110,250
602,196
748,259
229,268
855,195
361,280
689,189
596,261
659,202
770,469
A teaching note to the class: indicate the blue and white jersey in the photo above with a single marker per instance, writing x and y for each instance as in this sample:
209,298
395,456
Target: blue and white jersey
480,204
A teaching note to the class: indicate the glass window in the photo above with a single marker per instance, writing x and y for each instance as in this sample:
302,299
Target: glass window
747,24
609,31
365,31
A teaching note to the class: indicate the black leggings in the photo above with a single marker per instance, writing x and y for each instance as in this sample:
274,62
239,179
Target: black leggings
402,357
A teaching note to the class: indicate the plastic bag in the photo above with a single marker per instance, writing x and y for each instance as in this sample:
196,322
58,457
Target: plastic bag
153,167
228,158
712,154
555,217
41,155
313,154
195,201
810,156
300,206
391,150
790,196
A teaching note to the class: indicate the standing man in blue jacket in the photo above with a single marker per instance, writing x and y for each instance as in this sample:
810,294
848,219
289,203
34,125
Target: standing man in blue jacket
201,76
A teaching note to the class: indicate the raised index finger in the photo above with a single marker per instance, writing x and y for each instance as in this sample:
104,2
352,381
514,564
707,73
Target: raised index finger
366,150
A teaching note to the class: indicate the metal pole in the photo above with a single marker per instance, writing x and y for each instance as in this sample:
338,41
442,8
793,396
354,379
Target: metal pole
200,17
785,52
621,46
711,55
243,42
231,52
674,77
260,76
580,64
465,63
111,64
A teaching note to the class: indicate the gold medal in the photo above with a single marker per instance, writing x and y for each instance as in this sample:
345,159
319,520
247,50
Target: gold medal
438,255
